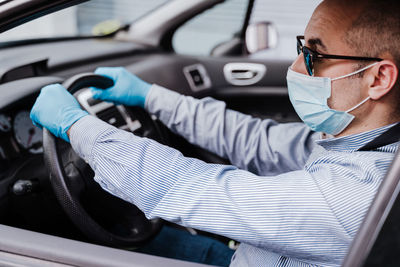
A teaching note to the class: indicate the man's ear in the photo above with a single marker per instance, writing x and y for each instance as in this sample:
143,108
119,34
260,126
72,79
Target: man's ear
382,78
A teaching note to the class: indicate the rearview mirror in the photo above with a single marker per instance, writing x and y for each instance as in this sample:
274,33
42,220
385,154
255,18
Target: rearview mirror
260,36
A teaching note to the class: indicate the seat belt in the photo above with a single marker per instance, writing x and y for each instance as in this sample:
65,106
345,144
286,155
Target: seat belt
388,137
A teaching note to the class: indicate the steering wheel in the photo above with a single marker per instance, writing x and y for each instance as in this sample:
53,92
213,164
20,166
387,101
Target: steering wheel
103,218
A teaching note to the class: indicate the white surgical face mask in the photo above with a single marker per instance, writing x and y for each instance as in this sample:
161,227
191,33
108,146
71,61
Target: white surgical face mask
309,96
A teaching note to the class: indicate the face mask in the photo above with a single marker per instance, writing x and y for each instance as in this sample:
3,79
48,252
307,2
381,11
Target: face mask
309,96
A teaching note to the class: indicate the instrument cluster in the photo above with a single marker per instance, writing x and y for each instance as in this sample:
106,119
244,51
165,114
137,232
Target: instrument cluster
19,135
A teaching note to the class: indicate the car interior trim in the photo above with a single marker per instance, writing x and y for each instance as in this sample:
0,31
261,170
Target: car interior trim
376,216
252,91
62,250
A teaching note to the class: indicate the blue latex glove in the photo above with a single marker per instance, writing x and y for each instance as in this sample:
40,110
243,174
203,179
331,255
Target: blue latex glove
128,89
56,110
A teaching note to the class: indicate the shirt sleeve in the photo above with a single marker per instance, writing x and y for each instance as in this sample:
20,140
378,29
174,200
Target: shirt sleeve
286,214
261,146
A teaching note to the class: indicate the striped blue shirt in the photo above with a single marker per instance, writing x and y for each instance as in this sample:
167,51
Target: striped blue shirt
288,197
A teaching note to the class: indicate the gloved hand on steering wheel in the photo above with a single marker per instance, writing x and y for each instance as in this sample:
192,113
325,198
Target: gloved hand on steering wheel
56,110
127,90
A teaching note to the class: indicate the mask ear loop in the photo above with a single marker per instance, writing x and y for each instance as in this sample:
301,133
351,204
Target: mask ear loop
359,104
351,74
354,73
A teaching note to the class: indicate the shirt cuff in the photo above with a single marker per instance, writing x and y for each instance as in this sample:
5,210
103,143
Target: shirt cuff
161,102
84,133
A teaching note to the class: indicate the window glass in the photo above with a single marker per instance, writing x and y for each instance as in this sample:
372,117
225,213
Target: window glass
215,26
290,18
82,19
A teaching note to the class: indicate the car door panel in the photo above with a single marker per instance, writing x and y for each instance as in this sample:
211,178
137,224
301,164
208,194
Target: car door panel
264,98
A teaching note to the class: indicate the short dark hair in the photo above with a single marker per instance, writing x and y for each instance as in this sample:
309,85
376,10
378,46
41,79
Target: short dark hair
376,31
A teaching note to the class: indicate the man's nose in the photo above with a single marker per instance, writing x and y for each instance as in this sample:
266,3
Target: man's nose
298,64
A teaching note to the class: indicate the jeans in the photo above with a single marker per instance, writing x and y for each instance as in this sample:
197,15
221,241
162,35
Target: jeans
180,244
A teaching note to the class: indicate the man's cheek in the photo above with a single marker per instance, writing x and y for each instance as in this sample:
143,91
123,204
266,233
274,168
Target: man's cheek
336,92
344,94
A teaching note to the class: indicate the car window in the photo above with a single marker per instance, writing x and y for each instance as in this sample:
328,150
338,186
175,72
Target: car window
289,17
83,19
210,28
221,23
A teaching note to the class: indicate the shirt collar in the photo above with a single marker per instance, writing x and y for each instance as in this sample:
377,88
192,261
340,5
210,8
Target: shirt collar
352,142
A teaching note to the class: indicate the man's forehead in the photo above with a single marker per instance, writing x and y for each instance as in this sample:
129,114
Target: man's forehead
346,5
329,22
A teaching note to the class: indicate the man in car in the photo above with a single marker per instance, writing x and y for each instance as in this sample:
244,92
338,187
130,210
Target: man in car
293,196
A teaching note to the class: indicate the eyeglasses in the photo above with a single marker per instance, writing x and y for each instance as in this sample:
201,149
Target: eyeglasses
310,56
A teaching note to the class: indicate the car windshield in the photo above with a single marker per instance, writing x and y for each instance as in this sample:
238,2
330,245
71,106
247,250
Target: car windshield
96,17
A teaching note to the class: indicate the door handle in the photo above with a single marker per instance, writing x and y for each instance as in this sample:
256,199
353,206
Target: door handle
243,74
